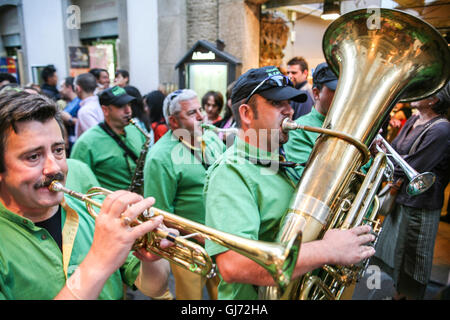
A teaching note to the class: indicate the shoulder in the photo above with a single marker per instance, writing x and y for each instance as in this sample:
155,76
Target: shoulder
162,149
93,132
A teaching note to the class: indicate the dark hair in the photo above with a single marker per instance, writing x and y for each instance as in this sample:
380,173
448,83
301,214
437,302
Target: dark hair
68,82
299,61
87,82
137,105
7,76
123,72
441,107
47,72
97,71
154,101
235,109
20,107
218,99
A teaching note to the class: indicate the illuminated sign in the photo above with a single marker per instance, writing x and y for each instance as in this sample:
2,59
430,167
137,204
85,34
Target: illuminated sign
203,55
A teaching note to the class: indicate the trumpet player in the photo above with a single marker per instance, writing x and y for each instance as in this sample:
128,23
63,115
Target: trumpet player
112,147
174,175
50,247
248,189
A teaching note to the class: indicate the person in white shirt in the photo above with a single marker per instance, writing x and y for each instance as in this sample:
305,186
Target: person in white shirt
90,112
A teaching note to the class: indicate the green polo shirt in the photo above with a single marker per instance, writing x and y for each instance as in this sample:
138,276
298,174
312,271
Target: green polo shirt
109,162
175,177
31,265
301,142
247,199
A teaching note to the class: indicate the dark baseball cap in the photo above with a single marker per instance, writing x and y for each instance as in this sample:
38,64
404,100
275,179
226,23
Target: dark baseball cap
269,82
324,75
116,96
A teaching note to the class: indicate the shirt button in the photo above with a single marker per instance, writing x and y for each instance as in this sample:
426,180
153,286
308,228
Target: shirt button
43,237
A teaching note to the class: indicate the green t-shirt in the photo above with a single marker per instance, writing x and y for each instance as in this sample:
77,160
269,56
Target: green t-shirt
247,199
175,177
31,265
301,142
109,162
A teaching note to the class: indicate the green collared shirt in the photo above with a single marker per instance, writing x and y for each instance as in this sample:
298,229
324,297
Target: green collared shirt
175,177
109,162
247,199
301,142
31,264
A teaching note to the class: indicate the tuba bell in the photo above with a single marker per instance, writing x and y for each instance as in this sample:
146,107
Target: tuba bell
400,58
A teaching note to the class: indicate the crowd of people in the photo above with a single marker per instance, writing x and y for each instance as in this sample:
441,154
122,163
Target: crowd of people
181,151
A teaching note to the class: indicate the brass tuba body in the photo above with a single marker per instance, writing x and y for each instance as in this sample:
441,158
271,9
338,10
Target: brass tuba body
381,56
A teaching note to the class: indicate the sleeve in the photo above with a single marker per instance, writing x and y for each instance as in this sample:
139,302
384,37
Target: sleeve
230,205
130,270
431,150
160,181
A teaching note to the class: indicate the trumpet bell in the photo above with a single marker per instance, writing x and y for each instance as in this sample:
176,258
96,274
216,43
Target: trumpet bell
420,183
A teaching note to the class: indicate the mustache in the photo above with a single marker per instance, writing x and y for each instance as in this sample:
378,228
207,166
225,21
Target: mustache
49,179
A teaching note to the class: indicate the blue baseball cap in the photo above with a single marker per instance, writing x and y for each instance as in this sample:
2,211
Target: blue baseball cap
324,75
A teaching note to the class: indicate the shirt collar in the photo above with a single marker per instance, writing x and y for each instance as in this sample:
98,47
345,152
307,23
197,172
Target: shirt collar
249,151
317,114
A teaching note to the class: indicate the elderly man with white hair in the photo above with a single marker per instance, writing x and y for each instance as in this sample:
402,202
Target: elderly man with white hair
174,174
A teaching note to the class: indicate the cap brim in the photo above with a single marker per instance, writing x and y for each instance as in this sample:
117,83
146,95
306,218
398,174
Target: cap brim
331,84
123,100
284,93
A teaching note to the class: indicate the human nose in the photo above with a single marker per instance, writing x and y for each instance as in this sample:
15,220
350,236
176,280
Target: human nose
51,165
288,111
199,115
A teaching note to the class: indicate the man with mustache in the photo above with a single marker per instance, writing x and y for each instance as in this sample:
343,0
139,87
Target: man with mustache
248,190
51,248
112,148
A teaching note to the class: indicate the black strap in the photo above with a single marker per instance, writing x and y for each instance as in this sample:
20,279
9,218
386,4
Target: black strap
116,138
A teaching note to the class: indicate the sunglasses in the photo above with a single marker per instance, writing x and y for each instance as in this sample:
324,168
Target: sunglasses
175,94
278,80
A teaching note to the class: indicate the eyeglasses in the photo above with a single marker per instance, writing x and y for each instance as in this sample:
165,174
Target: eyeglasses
278,80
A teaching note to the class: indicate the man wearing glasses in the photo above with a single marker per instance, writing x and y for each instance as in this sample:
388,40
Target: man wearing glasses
248,190
174,175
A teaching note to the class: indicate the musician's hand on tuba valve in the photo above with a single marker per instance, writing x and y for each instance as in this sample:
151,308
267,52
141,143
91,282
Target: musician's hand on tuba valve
347,247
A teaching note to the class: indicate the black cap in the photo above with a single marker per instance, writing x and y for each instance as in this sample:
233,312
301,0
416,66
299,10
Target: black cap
324,75
116,96
253,77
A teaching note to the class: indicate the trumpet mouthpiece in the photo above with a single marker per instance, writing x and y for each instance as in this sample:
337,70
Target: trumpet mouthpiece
55,186
288,124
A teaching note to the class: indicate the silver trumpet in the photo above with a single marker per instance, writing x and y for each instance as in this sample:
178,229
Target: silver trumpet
418,182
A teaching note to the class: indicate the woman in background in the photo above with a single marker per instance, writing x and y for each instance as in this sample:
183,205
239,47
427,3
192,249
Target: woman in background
154,101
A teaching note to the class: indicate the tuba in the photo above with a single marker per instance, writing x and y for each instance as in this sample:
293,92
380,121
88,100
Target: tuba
381,56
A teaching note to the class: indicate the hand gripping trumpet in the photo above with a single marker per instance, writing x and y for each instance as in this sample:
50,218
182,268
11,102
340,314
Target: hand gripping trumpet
278,259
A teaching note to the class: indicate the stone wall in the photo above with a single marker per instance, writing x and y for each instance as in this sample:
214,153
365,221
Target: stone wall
181,23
